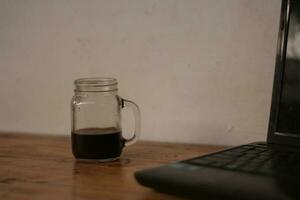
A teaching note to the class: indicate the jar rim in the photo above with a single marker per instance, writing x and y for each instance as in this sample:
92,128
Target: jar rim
96,84
99,81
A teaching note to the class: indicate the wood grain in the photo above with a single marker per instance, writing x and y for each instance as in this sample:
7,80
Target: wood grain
42,167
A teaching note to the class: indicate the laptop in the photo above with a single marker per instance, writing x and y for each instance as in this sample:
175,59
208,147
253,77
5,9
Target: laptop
259,170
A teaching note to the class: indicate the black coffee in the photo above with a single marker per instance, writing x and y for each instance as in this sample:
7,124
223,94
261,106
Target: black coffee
96,143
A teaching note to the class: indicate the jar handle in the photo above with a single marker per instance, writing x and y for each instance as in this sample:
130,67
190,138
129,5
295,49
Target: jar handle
137,117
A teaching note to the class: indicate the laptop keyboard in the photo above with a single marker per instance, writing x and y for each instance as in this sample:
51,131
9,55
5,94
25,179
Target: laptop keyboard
257,159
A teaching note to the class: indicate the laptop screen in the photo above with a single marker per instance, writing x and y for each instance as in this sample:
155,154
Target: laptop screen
289,106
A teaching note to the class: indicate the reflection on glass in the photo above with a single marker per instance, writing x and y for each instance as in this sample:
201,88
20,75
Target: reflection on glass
289,111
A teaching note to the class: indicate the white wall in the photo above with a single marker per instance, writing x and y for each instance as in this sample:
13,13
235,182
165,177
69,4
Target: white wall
201,70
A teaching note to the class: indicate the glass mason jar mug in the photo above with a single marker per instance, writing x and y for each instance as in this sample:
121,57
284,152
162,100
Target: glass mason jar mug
96,120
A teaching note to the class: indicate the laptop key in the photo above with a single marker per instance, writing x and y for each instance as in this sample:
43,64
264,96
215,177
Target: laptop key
248,168
231,166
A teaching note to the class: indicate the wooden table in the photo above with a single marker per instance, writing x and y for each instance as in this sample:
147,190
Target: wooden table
42,167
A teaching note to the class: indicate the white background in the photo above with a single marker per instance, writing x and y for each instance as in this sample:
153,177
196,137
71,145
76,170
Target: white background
201,70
